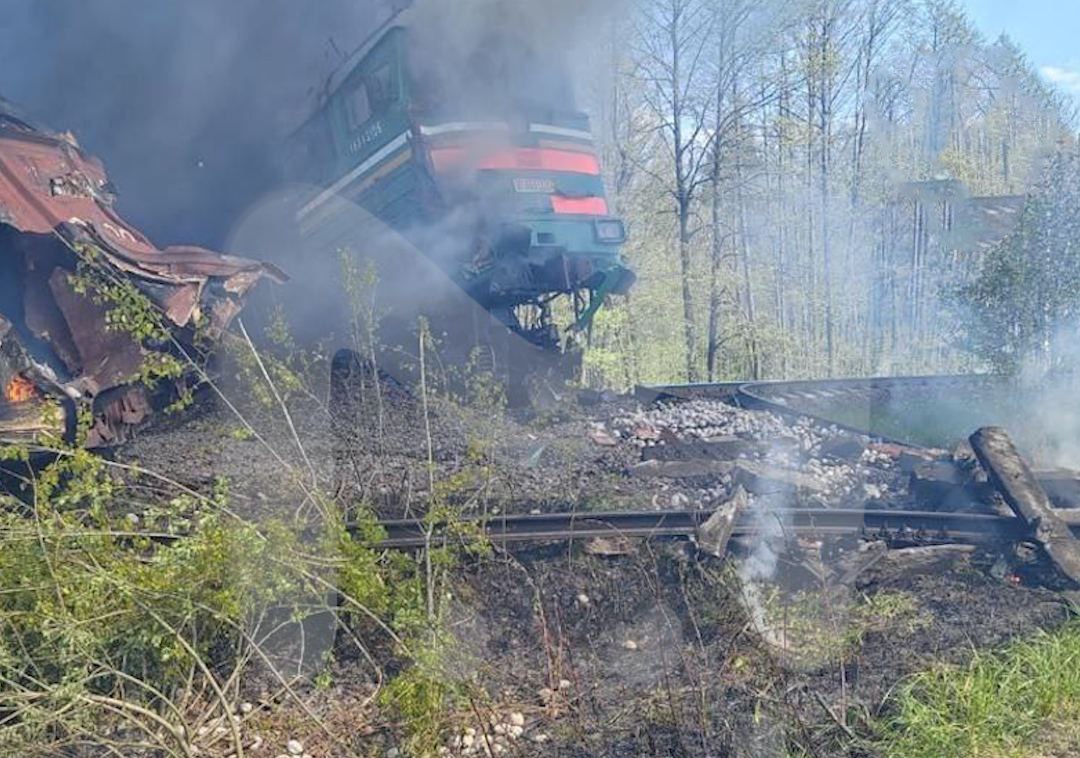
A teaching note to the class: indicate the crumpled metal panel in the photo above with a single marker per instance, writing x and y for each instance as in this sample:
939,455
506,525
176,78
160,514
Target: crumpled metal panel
49,186
30,419
58,199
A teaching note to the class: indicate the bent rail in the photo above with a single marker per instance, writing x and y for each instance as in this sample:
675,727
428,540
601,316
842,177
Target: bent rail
816,400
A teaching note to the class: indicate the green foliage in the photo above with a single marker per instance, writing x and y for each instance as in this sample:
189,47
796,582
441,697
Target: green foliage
85,579
1005,703
816,632
119,599
424,695
428,691
360,279
285,375
1026,297
104,611
396,587
129,310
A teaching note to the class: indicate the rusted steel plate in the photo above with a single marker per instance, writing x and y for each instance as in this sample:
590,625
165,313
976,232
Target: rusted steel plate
56,208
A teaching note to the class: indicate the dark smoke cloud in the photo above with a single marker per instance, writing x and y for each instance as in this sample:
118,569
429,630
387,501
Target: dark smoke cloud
186,102
555,26
534,46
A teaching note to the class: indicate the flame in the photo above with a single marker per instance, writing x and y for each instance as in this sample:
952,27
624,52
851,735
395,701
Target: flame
19,390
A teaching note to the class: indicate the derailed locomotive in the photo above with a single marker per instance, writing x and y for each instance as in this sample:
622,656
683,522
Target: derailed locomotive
474,185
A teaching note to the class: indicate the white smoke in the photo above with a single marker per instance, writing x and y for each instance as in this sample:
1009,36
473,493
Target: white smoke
759,569
1050,430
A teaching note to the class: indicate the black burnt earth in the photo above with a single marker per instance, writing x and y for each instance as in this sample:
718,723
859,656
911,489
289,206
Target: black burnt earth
634,648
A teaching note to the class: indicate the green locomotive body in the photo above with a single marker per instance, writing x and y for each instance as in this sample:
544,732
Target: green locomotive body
500,189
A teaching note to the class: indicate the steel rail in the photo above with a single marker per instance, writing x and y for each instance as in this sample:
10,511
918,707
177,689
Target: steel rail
783,398
908,526
787,398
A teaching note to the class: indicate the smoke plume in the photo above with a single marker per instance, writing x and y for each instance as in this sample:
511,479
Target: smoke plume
188,103
185,102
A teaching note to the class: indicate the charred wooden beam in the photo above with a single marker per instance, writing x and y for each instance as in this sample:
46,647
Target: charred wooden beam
762,478
948,485
1016,482
722,449
1062,486
1070,516
688,469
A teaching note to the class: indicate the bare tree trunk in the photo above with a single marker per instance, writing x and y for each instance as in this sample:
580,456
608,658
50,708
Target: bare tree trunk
714,270
689,316
826,247
825,96
749,307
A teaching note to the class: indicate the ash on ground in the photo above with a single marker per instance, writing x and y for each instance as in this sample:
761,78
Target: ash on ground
651,649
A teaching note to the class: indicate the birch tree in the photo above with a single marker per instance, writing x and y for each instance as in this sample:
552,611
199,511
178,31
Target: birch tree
673,39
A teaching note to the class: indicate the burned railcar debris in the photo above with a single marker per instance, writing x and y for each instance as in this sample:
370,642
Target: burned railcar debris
63,346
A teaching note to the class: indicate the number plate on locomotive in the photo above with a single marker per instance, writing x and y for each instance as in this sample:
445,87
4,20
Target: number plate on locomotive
535,186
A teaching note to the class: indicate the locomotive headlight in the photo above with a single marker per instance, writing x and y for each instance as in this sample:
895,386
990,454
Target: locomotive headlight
610,230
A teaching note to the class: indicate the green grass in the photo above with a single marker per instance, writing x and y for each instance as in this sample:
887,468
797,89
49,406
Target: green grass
1023,700
814,633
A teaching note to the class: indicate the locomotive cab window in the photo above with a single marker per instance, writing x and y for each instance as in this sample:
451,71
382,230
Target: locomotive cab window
358,107
381,86
374,88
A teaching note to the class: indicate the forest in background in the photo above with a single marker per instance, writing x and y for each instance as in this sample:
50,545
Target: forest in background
813,188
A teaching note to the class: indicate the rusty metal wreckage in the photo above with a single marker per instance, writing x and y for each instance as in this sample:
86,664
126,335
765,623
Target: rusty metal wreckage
59,352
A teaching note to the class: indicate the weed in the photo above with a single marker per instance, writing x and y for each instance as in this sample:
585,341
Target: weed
812,633
241,434
999,704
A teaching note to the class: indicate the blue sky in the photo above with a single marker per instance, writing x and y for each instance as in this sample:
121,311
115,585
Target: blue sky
1048,30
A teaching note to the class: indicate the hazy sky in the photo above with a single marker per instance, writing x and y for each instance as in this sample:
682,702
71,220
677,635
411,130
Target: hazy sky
1046,29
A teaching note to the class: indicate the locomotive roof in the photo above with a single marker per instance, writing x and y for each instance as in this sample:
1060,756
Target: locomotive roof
399,18
402,14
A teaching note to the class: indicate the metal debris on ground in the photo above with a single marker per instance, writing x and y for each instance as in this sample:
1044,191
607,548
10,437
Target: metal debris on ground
66,347
713,536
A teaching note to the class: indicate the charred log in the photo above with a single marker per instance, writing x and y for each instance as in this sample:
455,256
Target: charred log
1012,477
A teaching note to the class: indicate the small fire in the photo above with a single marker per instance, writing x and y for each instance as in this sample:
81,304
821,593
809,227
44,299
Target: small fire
19,390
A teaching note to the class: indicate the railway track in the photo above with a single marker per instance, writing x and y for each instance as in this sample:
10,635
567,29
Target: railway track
896,526
817,401
812,400
835,402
